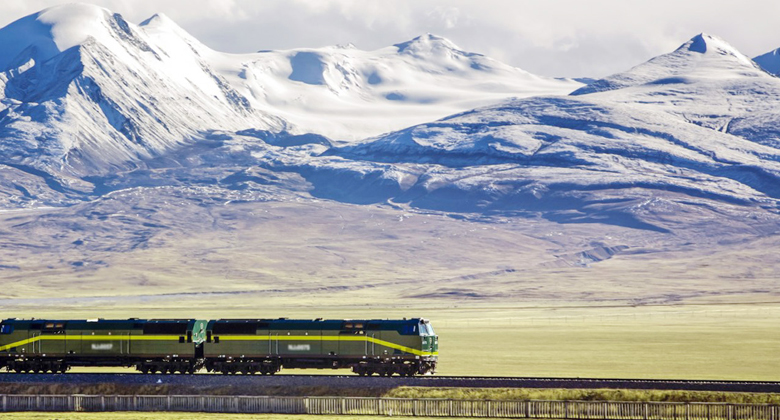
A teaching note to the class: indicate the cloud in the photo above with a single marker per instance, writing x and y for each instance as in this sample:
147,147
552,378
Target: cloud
549,37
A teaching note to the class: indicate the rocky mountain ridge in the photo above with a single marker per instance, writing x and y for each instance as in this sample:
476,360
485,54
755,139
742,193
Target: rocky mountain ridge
118,138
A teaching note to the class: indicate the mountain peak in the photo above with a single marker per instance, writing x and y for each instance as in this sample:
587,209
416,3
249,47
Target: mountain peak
73,24
160,22
770,62
703,55
428,43
57,29
703,42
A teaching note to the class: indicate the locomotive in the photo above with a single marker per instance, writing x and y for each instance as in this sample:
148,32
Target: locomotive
403,347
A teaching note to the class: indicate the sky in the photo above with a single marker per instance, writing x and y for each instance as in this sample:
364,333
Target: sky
561,38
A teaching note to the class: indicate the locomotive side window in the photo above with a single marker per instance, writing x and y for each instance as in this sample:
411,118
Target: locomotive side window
409,329
6,329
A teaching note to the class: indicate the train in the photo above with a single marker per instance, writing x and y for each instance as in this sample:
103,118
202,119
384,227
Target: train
403,347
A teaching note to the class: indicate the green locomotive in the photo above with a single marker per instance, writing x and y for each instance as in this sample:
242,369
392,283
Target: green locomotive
39,346
385,347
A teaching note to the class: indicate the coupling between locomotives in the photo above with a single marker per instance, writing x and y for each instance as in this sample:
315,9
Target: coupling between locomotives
404,347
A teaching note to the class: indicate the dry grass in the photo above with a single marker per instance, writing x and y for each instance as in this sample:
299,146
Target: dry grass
517,394
321,253
507,295
736,342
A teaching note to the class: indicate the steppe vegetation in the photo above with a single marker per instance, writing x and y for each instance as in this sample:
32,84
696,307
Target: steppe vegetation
735,342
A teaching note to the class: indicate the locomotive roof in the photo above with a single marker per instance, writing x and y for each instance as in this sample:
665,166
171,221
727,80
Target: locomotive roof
321,324
95,322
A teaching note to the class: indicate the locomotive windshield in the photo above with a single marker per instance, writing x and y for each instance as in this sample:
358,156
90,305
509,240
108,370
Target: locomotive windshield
426,329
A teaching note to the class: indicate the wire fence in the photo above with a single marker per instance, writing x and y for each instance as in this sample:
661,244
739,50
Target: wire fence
579,410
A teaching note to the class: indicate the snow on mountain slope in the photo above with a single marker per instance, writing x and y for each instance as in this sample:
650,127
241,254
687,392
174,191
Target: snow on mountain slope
770,62
89,92
84,91
550,154
704,56
706,82
693,128
348,94
690,128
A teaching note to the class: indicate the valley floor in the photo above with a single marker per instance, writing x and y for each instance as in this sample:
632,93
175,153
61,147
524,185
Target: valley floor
732,342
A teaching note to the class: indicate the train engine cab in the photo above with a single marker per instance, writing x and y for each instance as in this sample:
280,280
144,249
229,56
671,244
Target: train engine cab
429,346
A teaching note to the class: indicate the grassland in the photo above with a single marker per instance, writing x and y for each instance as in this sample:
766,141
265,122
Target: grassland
509,296
520,394
736,342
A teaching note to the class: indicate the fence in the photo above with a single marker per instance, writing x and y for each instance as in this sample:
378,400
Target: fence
579,410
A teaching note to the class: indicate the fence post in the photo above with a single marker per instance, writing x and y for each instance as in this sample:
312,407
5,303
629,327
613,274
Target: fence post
566,410
202,403
168,403
103,403
687,411
528,409
135,402
646,410
5,403
38,403
235,404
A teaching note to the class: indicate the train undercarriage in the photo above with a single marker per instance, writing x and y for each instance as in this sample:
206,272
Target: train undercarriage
226,366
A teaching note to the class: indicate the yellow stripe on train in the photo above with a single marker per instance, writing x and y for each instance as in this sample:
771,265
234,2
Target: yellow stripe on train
222,337
326,338
90,338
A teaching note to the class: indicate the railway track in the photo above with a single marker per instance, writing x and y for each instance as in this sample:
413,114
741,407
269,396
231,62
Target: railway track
351,381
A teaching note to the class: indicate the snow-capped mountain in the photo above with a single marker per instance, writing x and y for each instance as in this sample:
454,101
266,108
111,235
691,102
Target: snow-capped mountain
117,138
83,99
693,126
348,94
770,62
84,91
707,82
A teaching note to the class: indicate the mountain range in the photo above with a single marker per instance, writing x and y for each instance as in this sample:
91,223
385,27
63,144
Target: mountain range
113,134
